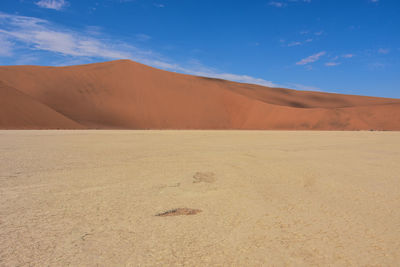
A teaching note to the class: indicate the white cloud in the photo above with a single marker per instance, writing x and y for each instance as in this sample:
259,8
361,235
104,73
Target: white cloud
303,87
277,4
5,47
41,35
383,51
297,43
159,5
38,34
284,3
353,27
332,64
143,37
348,56
311,59
308,67
235,77
52,4
376,65
294,44
93,30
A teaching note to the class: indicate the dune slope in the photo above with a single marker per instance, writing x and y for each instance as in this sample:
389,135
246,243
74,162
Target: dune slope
128,95
19,111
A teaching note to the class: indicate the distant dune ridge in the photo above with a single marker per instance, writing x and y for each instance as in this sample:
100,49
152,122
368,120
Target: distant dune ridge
127,95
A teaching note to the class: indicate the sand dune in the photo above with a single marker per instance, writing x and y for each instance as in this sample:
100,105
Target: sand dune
127,95
19,110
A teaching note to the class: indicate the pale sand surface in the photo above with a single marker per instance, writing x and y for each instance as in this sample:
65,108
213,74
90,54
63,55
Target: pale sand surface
85,198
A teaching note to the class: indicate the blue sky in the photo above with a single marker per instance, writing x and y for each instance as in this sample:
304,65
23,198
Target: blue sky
350,46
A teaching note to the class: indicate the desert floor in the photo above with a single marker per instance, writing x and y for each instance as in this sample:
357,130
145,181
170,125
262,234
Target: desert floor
85,198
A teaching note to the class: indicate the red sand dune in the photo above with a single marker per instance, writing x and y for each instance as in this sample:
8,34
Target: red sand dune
20,111
128,95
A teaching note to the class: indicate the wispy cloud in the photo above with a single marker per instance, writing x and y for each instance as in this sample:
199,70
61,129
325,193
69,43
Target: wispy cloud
5,47
335,60
383,51
35,34
235,77
311,59
298,43
94,30
348,56
52,4
354,27
303,87
294,44
41,35
284,3
143,37
376,66
159,5
277,4
332,64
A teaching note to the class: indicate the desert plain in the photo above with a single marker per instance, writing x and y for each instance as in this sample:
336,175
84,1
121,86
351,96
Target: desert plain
199,198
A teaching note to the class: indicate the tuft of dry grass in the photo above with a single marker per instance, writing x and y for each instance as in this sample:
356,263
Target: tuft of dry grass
206,177
179,212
